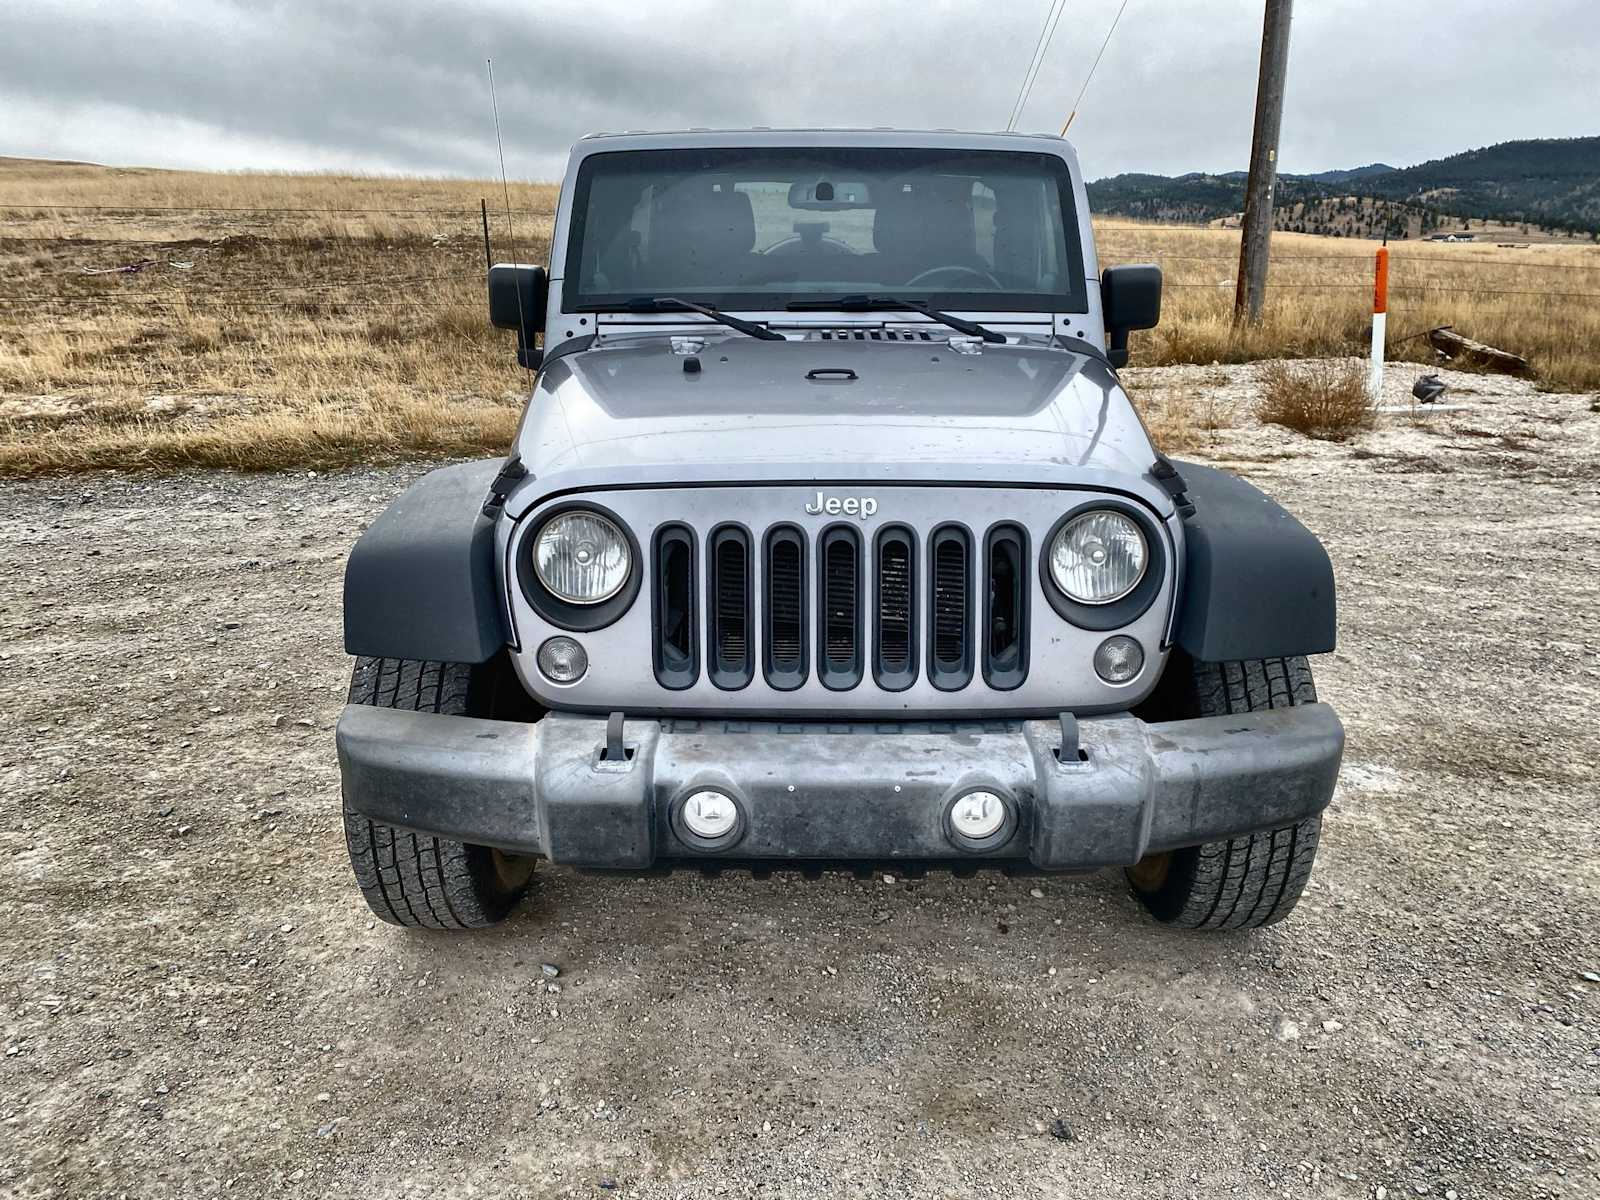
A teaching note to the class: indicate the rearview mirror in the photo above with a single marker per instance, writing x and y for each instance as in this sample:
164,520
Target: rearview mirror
829,195
517,296
1130,298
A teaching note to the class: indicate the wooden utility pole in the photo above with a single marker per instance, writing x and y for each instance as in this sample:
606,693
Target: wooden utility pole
1257,235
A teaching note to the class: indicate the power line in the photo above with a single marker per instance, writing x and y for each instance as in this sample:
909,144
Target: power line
1041,47
1093,68
1011,117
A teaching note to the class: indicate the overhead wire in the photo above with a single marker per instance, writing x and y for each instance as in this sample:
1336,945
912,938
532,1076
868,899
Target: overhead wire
1011,117
1041,48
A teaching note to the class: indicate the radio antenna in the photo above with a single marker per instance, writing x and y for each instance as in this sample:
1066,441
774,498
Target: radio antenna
505,186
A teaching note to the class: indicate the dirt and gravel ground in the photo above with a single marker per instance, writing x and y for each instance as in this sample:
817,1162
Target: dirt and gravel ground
195,1001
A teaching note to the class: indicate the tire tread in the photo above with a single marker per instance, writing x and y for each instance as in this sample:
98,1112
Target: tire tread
413,879
1256,880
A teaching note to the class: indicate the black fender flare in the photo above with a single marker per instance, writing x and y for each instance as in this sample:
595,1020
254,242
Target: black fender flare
1256,582
421,581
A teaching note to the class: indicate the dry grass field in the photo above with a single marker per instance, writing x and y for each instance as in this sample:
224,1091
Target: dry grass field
1541,301
272,320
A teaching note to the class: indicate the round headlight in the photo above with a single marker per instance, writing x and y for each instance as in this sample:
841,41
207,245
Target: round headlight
582,557
1099,557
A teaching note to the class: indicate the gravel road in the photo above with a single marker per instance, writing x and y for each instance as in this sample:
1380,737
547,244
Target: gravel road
195,1001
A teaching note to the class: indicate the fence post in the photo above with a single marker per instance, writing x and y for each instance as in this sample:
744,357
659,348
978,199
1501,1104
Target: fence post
1380,323
488,254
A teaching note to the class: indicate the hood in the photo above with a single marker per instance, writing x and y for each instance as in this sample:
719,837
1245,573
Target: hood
629,409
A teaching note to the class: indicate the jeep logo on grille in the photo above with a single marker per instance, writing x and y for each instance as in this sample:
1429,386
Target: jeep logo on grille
850,506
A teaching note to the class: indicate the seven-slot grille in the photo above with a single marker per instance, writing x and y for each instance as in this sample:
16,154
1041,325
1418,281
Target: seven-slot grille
846,605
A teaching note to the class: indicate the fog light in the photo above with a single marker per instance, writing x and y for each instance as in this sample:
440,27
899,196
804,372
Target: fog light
978,815
710,815
563,660
1118,659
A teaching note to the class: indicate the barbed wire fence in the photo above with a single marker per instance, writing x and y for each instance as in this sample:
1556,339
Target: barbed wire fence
110,285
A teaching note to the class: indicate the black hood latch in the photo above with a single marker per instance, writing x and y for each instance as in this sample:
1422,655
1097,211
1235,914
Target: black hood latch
1172,483
511,474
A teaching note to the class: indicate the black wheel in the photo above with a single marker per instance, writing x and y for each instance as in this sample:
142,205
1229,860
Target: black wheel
410,878
1243,882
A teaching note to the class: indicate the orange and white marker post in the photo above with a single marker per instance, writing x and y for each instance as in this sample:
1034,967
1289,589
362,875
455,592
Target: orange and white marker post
1380,324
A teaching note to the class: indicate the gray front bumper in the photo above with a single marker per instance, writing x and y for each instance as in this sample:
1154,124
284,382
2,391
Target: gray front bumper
810,791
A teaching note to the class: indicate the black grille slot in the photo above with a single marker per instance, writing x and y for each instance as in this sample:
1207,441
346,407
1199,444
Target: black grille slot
1005,616
950,641
677,660
785,608
731,664
839,570
894,664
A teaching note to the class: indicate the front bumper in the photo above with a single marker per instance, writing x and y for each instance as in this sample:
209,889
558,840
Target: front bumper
864,792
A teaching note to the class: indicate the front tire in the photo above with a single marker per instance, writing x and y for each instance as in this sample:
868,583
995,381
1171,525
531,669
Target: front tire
1244,882
414,879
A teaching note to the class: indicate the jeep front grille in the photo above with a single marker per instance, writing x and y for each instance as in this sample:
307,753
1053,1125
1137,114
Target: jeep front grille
814,602
869,594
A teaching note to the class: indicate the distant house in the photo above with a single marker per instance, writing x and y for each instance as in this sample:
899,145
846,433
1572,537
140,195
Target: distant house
1452,237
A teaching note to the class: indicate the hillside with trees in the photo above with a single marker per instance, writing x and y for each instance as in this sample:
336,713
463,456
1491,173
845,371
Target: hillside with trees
1548,186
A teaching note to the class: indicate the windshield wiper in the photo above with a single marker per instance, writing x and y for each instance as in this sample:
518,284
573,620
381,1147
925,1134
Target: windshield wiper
864,303
673,304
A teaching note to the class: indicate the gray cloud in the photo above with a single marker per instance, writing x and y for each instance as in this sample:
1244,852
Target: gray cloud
400,85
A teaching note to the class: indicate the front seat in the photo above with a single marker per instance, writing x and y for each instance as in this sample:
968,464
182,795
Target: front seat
701,236
922,224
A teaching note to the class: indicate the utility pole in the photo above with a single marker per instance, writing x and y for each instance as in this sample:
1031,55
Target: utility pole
1257,235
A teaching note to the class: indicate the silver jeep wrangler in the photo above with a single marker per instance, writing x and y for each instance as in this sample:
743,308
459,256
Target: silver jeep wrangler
829,538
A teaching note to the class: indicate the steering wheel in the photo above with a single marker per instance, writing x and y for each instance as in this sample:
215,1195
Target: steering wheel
793,245
928,276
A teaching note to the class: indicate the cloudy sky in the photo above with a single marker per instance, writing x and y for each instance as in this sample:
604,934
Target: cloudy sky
398,85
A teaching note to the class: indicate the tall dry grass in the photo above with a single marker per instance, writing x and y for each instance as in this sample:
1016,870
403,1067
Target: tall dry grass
1541,301
255,338
139,203
258,338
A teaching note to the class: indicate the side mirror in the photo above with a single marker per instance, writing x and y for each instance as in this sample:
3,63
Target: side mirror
1130,298
517,295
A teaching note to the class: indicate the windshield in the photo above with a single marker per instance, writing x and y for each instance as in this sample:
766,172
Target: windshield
761,228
